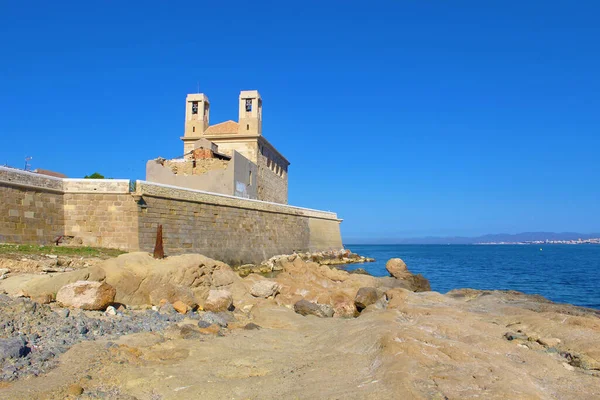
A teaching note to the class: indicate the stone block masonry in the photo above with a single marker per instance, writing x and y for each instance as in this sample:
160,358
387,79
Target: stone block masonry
35,209
31,208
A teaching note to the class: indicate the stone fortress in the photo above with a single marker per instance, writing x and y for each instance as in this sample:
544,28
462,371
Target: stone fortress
230,157
226,198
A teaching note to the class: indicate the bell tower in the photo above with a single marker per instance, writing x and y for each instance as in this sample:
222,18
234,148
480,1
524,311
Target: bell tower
197,113
250,114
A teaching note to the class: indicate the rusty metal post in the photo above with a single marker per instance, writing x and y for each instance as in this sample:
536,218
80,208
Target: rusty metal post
159,252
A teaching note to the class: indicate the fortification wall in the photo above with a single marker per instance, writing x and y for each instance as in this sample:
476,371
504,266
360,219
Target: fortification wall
31,207
229,228
101,212
36,209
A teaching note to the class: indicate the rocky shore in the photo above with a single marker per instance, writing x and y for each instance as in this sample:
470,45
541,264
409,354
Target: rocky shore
133,327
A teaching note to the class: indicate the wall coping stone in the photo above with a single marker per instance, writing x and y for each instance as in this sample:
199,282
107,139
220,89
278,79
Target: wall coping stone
152,189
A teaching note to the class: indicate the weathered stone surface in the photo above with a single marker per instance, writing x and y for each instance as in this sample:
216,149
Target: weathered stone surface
397,268
218,300
264,288
223,277
304,307
366,296
86,295
396,297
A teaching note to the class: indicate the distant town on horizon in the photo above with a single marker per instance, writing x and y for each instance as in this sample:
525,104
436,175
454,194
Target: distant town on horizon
500,238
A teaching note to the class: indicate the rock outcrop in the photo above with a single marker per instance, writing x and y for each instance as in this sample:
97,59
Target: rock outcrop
139,279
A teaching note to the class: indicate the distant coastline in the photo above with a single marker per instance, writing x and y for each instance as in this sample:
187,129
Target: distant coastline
578,241
498,238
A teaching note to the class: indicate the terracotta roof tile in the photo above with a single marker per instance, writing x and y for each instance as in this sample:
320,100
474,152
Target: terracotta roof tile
222,128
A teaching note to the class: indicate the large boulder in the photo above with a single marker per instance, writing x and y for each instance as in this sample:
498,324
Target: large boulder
305,307
218,300
264,288
366,296
86,295
397,268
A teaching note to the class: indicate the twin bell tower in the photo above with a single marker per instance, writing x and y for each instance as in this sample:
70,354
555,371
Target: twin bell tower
197,118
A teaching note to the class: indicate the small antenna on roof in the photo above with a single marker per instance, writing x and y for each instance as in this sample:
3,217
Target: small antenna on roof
198,86
27,165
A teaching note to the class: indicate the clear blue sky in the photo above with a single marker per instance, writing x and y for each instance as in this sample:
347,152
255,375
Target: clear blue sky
407,118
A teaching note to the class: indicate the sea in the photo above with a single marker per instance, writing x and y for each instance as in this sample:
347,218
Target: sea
561,273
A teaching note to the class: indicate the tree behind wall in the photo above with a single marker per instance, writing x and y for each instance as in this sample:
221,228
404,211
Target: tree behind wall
95,175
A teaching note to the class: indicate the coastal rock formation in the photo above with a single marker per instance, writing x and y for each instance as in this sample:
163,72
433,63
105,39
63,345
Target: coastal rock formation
86,295
398,269
421,345
332,258
139,279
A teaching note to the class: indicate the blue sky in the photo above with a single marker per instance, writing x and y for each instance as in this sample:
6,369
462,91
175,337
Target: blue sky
407,118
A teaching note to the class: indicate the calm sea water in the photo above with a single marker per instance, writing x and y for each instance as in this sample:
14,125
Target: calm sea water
561,273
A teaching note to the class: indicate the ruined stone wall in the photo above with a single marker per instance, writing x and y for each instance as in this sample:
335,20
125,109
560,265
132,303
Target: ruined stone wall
31,207
272,178
196,167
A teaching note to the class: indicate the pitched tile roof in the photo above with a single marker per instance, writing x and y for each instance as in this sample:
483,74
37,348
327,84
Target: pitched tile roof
222,128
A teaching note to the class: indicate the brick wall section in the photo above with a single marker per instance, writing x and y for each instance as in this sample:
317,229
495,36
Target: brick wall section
31,208
272,181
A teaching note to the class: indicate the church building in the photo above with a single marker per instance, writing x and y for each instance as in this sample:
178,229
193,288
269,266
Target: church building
230,157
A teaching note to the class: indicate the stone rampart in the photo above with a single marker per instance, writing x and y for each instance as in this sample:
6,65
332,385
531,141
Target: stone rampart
31,207
37,209
229,228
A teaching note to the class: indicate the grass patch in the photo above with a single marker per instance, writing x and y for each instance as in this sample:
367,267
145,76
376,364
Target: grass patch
82,251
